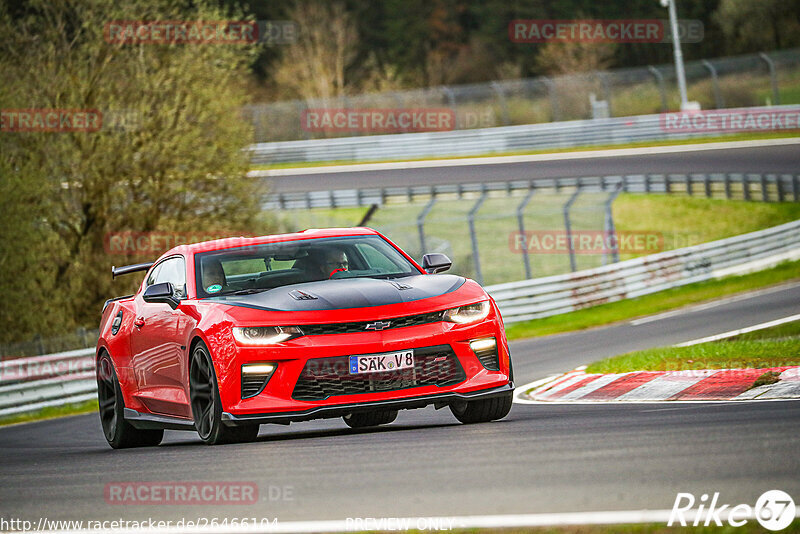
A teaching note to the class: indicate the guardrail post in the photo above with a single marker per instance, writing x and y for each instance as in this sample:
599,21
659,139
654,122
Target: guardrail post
568,228
746,187
689,184
727,186
606,91
521,224
660,83
795,188
718,101
707,183
421,224
764,189
474,236
610,230
501,97
554,107
776,97
779,185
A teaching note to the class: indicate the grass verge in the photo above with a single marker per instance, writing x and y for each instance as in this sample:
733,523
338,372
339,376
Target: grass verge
605,314
640,144
771,347
51,412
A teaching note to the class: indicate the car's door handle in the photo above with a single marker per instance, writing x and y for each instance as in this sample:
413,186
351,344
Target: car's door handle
139,322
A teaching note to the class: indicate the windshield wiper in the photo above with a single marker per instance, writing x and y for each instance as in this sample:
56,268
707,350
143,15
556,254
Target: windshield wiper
248,291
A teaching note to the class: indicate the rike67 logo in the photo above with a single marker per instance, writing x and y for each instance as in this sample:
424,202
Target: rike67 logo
774,510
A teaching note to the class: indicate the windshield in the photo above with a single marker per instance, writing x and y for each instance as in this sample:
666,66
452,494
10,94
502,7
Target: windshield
262,267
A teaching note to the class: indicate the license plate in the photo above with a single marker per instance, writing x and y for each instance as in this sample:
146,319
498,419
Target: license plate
381,363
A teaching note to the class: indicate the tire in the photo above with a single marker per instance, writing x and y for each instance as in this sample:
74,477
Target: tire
483,410
119,433
367,419
206,404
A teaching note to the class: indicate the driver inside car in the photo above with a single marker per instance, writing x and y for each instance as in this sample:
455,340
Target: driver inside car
333,261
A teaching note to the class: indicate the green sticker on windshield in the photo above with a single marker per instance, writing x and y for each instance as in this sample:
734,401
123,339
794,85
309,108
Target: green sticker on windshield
214,288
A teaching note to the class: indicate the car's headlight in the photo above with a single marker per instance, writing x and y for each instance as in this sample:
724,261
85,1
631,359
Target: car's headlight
265,335
470,313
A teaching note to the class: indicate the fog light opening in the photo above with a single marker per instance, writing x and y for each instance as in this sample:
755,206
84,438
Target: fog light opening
255,377
486,351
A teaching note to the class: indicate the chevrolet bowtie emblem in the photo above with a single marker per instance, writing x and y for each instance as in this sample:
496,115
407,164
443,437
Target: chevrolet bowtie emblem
380,325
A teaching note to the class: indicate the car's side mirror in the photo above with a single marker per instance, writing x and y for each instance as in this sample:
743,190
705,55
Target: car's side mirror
435,263
163,292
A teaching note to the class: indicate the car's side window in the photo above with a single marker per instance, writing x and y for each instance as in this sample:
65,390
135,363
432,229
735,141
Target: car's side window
151,279
173,270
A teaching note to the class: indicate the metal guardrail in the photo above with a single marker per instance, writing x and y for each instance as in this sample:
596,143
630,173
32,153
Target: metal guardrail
611,131
28,384
553,295
749,186
738,81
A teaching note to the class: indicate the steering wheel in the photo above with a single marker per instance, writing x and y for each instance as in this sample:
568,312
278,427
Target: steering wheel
339,270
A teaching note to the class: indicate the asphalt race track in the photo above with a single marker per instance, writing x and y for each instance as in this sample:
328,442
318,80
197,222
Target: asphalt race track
556,458
762,159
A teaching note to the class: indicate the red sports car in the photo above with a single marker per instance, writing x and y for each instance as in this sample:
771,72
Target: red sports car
225,335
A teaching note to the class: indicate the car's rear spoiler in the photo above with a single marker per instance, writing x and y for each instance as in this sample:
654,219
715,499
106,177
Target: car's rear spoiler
117,271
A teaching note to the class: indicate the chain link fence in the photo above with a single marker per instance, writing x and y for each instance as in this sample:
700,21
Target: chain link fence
743,81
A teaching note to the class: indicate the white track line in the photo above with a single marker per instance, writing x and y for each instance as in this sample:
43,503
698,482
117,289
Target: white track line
499,160
740,331
447,523
714,304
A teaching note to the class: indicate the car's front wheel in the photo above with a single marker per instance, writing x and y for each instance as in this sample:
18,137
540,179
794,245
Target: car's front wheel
483,410
119,433
367,419
206,404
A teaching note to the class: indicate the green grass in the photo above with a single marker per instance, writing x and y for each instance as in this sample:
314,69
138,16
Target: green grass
771,347
649,304
759,354
681,221
51,413
639,144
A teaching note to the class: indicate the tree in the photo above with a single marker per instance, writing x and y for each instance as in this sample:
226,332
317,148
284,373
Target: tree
178,166
758,26
317,65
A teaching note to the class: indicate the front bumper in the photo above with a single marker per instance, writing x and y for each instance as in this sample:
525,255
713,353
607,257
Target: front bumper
339,410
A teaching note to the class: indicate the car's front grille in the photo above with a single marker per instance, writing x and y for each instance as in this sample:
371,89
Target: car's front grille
325,377
367,326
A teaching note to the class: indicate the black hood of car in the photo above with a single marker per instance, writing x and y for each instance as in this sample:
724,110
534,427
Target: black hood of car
346,293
